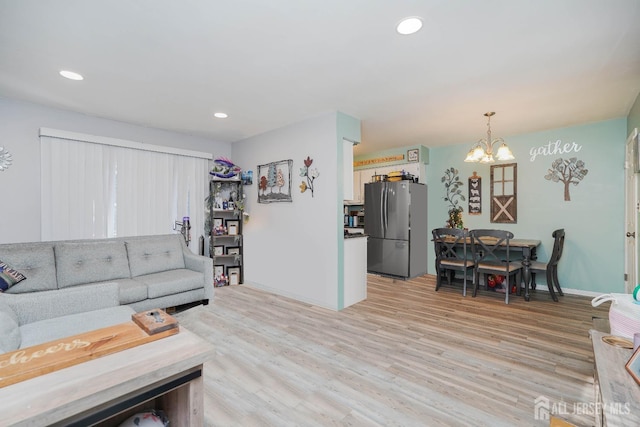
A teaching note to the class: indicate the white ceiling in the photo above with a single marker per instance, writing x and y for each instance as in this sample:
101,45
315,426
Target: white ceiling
267,63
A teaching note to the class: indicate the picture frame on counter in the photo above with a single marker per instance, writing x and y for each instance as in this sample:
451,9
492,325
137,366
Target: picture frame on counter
233,250
218,250
233,225
233,274
633,366
217,222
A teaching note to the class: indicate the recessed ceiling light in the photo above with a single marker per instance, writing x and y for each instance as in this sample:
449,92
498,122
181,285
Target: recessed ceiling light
220,115
71,75
409,25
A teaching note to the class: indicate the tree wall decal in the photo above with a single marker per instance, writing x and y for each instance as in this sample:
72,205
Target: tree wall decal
568,172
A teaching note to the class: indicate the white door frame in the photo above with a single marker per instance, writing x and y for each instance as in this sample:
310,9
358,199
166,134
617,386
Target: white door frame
631,213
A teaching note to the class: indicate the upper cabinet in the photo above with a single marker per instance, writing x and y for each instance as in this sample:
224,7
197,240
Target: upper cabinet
347,161
364,176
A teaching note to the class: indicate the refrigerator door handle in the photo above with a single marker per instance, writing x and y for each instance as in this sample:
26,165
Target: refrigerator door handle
385,209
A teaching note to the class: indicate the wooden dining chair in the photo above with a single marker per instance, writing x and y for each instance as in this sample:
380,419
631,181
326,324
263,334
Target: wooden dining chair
490,249
451,255
550,268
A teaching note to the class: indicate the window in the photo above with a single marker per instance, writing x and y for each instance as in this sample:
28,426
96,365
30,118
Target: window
95,187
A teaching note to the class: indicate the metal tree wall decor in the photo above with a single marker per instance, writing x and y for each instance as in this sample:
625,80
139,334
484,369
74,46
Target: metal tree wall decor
570,171
310,174
453,195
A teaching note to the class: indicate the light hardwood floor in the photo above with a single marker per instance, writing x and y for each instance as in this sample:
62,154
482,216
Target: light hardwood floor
407,356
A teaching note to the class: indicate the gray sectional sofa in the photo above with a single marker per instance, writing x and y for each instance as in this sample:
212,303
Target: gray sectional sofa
77,286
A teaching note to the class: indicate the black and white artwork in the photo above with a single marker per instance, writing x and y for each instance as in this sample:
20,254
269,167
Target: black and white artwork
475,194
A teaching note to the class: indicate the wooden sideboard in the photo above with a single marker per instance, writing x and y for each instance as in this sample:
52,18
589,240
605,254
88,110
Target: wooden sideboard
165,374
617,394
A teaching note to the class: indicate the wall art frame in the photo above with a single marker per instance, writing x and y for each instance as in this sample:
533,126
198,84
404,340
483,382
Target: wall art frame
475,194
504,193
274,182
413,155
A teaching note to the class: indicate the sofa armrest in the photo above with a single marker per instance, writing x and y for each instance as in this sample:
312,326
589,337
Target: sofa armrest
203,265
35,306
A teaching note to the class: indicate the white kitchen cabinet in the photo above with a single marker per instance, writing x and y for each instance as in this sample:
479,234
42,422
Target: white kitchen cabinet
358,187
355,270
347,162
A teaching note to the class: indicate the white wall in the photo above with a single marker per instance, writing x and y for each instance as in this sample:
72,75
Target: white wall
291,248
20,184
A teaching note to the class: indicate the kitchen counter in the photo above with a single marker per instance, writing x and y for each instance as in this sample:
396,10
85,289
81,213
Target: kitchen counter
355,235
355,269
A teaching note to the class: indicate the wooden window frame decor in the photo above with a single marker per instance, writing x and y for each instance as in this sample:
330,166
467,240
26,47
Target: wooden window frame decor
274,182
475,194
504,193
233,227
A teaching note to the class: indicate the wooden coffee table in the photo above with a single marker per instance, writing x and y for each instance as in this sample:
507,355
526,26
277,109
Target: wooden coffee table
164,374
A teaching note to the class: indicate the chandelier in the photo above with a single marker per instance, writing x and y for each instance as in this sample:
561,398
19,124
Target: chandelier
482,151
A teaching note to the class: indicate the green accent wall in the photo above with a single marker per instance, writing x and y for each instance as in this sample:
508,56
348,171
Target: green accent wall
593,258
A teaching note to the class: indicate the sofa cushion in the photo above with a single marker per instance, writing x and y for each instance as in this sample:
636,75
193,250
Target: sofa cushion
61,327
171,282
154,254
9,330
81,263
9,276
131,291
35,306
36,261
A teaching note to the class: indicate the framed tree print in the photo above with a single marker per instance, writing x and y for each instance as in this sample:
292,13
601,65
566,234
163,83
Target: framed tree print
274,182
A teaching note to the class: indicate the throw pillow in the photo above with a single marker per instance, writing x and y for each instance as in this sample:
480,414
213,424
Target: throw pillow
9,276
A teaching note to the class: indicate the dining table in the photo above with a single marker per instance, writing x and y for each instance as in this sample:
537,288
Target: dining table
528,248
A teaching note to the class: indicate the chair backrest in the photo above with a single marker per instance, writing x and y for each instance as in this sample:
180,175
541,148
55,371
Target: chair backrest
450,243
490,245
558,245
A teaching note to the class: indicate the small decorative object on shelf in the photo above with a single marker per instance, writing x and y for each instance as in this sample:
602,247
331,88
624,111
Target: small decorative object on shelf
220,281
219,230
224,168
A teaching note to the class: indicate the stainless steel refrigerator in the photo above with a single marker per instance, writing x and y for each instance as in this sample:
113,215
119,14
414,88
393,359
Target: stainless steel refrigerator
396,223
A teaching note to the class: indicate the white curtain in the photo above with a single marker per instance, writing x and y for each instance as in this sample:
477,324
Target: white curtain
95,190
